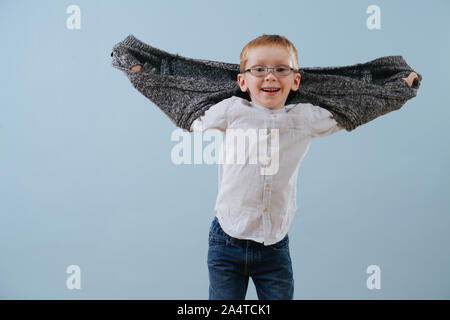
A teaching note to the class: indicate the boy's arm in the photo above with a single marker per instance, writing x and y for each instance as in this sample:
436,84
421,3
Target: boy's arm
216,117
360,93
181,87
322,122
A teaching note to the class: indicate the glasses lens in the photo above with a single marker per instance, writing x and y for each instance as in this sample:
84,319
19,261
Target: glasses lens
259,71
282,70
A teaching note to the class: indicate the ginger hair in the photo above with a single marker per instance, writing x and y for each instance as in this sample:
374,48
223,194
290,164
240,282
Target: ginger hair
269,40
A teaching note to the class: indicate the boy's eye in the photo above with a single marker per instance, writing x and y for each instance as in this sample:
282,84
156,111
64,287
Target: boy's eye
282,68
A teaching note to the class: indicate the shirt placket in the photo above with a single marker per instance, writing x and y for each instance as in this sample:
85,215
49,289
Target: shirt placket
267,181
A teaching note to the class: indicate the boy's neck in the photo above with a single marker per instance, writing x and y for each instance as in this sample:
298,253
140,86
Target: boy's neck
267,108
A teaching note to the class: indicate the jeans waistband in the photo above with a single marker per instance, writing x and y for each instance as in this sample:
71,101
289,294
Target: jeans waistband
216,228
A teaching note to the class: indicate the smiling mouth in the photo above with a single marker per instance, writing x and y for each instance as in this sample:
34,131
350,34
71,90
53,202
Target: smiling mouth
271,90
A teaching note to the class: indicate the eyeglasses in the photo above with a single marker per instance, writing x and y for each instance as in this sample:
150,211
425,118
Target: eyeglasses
262,71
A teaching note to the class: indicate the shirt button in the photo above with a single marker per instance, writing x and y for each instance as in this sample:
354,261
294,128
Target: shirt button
265,209
267,185
274,115
271,112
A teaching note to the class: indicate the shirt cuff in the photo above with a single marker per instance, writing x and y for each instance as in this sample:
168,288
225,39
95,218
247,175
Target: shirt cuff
197,125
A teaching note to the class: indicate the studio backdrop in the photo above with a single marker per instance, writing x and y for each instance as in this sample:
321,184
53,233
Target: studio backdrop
94,204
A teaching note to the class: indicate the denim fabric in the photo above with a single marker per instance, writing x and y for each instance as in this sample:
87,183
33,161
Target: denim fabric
232,261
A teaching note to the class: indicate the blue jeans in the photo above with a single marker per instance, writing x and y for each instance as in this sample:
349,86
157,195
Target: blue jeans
232,261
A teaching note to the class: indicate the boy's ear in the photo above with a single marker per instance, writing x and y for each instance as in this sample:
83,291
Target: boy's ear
241,82
297,80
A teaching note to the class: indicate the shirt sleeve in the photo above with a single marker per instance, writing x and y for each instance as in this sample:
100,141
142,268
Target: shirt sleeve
322,122
216,117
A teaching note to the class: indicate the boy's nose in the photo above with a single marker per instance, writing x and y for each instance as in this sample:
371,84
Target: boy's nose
270,74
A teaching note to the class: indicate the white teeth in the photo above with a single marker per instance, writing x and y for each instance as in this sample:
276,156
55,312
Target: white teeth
270,90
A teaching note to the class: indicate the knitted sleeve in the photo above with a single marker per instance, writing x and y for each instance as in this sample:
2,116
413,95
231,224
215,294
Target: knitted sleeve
359,93
184,88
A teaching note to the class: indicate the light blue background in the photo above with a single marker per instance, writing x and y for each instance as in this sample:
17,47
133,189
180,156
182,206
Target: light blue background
86,177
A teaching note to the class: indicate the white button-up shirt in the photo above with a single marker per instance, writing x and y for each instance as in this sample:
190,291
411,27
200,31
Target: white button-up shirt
257,201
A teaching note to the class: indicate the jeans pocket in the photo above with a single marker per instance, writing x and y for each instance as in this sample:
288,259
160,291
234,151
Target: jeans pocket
217,237
282,245
216,242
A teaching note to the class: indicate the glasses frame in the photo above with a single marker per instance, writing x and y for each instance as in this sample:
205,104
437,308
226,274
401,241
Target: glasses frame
267,69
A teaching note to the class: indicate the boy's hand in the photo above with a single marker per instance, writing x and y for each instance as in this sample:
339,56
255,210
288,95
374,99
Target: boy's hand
412,76
137,67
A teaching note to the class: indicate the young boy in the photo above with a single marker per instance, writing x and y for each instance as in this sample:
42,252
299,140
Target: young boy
254,208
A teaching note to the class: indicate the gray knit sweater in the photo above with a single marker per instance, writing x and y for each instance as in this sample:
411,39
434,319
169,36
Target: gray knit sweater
184,88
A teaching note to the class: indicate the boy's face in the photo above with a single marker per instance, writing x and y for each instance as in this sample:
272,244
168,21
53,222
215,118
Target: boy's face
271,57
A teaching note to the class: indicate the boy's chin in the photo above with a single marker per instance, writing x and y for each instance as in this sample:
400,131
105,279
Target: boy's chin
276,99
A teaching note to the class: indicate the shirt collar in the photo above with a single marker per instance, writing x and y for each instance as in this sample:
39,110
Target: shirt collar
265,109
